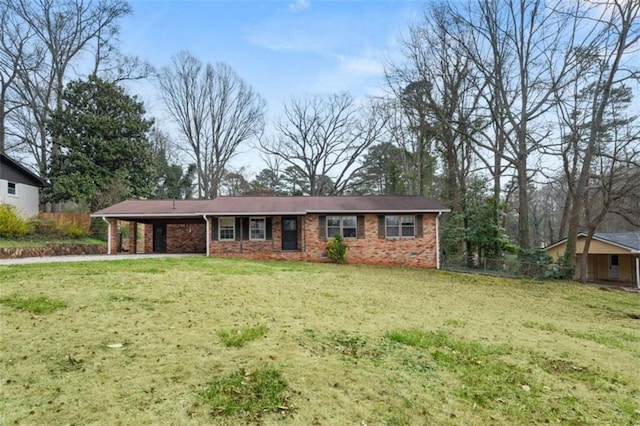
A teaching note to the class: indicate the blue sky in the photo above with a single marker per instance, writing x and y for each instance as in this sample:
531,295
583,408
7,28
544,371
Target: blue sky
283,48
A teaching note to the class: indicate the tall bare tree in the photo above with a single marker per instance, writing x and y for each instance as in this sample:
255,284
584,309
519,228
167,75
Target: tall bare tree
14,56
322,139
517,46
61,30
215,111
613,34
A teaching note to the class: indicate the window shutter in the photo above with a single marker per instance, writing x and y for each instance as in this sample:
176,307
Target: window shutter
322,225
381,231
419,226
238,228
268,229
214,228
360,232
245,228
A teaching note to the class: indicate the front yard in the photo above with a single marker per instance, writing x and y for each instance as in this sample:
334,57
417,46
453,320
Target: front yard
201,341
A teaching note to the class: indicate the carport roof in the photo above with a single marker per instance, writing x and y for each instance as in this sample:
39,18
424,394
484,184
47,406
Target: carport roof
231,206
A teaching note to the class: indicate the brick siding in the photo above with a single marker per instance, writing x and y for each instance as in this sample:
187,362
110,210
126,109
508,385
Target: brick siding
371,249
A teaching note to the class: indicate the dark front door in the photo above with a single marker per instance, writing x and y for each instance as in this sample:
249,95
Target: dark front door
160,238
289,233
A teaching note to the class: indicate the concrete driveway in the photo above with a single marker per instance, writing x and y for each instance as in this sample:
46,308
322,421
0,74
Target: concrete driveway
87,258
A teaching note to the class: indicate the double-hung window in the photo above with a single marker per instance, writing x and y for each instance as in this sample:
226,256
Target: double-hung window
400,226
345,226
257,228
12,188
226,229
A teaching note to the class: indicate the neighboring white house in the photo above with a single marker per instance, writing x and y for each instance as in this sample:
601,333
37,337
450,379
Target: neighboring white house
19,187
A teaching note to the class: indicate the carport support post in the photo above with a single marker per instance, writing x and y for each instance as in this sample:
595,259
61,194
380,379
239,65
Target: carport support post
206,220
438,240
112,235
133,237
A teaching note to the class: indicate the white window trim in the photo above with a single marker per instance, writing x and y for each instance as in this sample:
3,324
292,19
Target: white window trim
264,230
15,185
233,220
342,226
399,227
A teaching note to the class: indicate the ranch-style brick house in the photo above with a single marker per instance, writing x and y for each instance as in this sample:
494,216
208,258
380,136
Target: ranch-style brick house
384,230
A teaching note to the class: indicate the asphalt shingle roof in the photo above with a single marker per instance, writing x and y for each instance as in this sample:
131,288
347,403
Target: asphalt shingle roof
271,205
626,239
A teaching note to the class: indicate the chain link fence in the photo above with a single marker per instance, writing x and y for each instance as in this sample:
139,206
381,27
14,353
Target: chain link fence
508,266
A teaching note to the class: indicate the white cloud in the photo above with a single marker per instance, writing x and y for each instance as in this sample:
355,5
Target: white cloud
360,66
298,5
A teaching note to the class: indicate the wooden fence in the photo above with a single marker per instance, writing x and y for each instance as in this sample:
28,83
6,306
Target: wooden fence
81,220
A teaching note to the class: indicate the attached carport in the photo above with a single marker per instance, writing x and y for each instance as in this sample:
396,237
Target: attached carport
168,226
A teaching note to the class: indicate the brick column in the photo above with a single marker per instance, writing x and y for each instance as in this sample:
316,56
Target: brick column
148,238
113,236
133,237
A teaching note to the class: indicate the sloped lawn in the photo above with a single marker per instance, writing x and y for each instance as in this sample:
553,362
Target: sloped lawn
202,341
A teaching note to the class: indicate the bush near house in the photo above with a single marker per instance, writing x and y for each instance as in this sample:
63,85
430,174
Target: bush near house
11,225
337,249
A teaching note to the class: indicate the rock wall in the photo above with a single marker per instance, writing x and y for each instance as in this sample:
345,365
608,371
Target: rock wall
52,250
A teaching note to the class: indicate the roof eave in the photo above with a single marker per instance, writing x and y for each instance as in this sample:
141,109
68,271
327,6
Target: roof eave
122,215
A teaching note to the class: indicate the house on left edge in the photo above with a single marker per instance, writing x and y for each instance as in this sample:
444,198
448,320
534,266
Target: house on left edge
19,187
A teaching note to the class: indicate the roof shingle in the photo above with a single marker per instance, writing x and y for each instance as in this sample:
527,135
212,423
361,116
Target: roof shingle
272,205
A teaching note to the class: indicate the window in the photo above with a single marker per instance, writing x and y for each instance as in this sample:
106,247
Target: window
346,226
257,227
12,188
226,229
400,226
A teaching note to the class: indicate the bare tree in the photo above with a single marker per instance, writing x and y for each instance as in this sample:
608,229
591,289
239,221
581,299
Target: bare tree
613,34
14,55
215,110
60,32
323,137
518,47
439,91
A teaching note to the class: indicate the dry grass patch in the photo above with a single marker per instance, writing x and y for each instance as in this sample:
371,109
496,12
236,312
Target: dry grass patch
145,342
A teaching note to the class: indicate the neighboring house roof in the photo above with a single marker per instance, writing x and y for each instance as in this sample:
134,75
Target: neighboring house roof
230,206
13,171
626,240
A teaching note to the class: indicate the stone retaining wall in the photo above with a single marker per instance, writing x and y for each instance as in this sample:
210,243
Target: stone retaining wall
52,250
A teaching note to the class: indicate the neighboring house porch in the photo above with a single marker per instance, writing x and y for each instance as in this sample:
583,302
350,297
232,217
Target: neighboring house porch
614,257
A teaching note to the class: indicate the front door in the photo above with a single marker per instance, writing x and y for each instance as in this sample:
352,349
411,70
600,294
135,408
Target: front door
160,238
289,233
614,267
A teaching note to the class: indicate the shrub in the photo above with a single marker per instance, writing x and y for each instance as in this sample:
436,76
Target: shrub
11,225
534,263
73,231
337,249
44,227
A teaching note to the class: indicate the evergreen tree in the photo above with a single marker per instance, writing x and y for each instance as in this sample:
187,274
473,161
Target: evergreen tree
105,154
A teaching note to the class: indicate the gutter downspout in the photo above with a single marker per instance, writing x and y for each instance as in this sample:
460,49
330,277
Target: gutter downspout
438,240
204,216
638,271
108,235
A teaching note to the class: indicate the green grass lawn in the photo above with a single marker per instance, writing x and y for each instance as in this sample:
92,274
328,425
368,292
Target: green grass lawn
202,341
